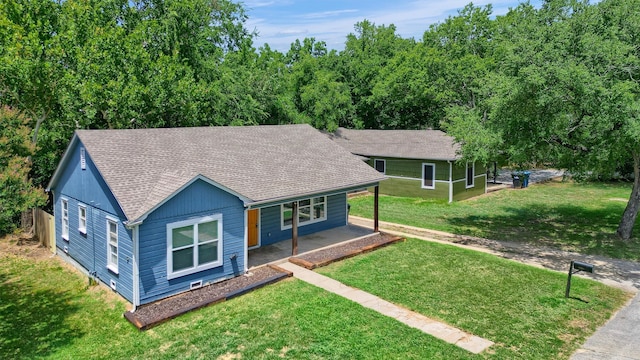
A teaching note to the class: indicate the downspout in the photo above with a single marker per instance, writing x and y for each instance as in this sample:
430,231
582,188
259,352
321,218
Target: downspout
136,268
450,181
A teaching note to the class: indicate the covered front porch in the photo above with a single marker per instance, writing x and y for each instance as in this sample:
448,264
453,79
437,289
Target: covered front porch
282,250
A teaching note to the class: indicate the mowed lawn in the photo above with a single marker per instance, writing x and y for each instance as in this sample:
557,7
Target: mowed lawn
521,308
48,310
566,215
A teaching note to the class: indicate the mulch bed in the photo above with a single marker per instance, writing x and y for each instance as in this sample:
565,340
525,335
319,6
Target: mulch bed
150,315
345,250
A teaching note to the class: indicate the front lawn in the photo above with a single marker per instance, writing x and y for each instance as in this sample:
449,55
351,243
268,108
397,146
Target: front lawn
566,215
519,307
48,311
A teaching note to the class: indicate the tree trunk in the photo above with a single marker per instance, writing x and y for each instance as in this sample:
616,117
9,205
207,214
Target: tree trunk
625,229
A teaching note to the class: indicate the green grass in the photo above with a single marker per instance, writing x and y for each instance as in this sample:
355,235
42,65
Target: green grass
576,217
519,307
48,311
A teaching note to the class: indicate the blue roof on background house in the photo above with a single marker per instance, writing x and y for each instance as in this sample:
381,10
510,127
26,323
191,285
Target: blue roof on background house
145,167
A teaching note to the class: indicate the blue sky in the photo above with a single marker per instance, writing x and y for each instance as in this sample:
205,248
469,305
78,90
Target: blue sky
281,22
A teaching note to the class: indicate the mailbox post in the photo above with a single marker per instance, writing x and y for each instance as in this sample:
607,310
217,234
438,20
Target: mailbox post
576,266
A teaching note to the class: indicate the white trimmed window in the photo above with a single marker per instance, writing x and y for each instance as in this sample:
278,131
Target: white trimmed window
65,219
309,211
428,176
471,172
194,245
112,245
380,165
82,219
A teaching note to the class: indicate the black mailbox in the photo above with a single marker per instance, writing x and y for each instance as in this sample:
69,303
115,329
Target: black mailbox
580,266
577,266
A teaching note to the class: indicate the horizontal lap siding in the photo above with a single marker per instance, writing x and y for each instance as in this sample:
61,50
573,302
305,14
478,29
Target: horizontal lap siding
198,200
460,192
270,220
413,188
90,249
412,168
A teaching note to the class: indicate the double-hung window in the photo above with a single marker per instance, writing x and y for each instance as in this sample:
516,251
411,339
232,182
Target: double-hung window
82,219
112,245
309,211
428,176
470,175
380,165
65,219
194,245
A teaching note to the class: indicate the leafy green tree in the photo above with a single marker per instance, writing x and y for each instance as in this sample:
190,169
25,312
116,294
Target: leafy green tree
566,91
17,192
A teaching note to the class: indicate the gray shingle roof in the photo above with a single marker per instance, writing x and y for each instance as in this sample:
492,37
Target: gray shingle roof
143,167
407,144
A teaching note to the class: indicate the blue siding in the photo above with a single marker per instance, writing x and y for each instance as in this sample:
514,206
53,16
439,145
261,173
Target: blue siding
90,249
197,200
270,220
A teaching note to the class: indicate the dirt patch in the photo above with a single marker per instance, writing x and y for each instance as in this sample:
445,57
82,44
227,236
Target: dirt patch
23,245
160,311
326,256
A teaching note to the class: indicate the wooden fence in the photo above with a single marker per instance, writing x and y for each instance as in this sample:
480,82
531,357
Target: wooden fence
45,229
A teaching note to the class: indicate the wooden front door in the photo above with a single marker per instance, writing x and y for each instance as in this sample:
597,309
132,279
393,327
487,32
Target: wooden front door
252,228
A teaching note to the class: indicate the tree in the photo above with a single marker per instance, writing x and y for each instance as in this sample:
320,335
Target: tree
17,192
566,90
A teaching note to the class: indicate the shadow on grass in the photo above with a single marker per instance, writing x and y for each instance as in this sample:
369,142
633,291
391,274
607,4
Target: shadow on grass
32,322
589,231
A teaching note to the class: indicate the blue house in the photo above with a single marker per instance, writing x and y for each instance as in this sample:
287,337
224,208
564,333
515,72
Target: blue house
155,212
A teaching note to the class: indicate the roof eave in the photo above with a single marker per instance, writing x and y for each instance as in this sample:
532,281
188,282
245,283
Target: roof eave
308,194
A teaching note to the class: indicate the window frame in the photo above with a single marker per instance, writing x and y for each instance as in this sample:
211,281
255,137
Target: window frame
64,209
196,267
433,176
311,206
81,228
384,165
473,176
110,264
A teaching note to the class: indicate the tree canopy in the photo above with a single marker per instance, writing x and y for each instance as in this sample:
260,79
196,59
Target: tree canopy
556,84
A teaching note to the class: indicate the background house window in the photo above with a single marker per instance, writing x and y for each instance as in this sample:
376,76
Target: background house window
194,245
112,245
65,219
82,219
309,211
380,165
428,176
470,174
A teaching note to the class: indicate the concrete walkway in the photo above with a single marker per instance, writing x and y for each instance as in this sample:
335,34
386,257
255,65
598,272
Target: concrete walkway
618,339
434,328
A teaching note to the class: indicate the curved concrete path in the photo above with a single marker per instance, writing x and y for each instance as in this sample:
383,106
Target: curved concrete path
434,328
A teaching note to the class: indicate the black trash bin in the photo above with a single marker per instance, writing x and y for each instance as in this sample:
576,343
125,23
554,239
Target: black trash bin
516,181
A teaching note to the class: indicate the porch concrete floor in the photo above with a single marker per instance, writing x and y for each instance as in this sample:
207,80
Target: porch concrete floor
281,250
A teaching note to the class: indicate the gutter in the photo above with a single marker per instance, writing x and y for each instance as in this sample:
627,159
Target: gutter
331,191
450,181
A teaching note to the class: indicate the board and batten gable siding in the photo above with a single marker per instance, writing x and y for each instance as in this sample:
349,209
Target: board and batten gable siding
89,249
271,220
197,200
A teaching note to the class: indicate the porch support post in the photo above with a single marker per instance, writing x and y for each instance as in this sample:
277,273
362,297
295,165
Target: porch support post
375,208
294,229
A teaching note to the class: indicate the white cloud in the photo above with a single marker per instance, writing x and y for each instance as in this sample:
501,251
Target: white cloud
411,18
